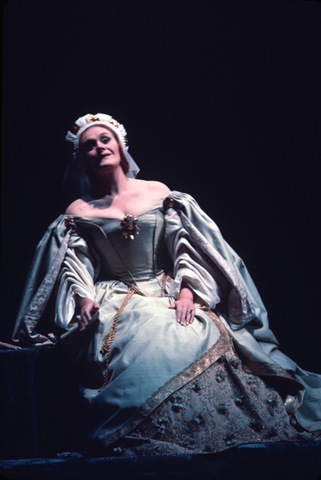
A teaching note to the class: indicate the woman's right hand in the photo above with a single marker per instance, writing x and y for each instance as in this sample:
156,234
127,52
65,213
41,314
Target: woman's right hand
87,309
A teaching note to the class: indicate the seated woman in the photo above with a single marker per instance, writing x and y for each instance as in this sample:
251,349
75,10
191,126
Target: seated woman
169,333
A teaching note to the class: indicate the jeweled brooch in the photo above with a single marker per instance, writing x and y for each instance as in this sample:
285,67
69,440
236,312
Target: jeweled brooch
169,202
69,221
129,226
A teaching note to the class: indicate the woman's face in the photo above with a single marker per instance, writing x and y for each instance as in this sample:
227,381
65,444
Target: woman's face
100,148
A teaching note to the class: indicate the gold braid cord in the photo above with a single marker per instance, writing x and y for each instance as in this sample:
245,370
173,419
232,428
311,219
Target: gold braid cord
164,277
111,335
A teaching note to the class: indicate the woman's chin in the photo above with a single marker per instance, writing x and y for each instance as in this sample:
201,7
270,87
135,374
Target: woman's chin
104,167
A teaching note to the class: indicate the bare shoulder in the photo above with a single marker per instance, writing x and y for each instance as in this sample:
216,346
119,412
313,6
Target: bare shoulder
158,188
76,207
152,188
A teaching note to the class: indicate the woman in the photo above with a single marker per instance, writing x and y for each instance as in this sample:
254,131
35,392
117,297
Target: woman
169,363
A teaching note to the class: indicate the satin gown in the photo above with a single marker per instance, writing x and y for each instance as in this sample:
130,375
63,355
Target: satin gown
171,388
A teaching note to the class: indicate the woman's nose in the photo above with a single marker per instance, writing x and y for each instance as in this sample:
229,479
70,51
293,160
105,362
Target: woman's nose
100,145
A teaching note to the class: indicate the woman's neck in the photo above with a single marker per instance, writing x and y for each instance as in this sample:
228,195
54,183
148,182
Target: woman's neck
111,184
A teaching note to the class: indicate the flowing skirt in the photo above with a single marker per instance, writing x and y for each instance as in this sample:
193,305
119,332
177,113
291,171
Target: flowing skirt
172,389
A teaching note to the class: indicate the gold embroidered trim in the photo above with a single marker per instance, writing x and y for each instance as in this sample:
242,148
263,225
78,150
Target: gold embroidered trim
222,346
94,118
74,129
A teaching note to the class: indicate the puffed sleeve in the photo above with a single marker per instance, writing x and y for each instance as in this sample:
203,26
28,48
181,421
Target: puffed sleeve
190,264
78,271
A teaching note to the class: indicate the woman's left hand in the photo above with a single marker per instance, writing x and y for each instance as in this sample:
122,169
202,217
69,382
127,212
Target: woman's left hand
184,307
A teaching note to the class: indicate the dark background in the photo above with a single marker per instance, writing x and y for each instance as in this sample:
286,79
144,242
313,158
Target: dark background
220,99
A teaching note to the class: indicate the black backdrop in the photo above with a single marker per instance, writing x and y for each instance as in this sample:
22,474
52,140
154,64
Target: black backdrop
220,99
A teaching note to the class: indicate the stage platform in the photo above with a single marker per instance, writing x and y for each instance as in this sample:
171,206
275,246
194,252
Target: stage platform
273,461
43,436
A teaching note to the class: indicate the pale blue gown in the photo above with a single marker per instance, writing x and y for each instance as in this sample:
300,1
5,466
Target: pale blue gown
153,360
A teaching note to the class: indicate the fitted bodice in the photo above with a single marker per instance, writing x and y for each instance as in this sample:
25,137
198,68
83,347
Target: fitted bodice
122,257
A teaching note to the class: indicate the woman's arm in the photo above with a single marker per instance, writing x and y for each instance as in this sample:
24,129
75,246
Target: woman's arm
194,278
76,289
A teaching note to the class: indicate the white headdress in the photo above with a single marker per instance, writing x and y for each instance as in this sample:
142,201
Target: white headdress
75,179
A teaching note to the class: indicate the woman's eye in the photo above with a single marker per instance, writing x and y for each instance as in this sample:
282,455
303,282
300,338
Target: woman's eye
105,139
88,146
